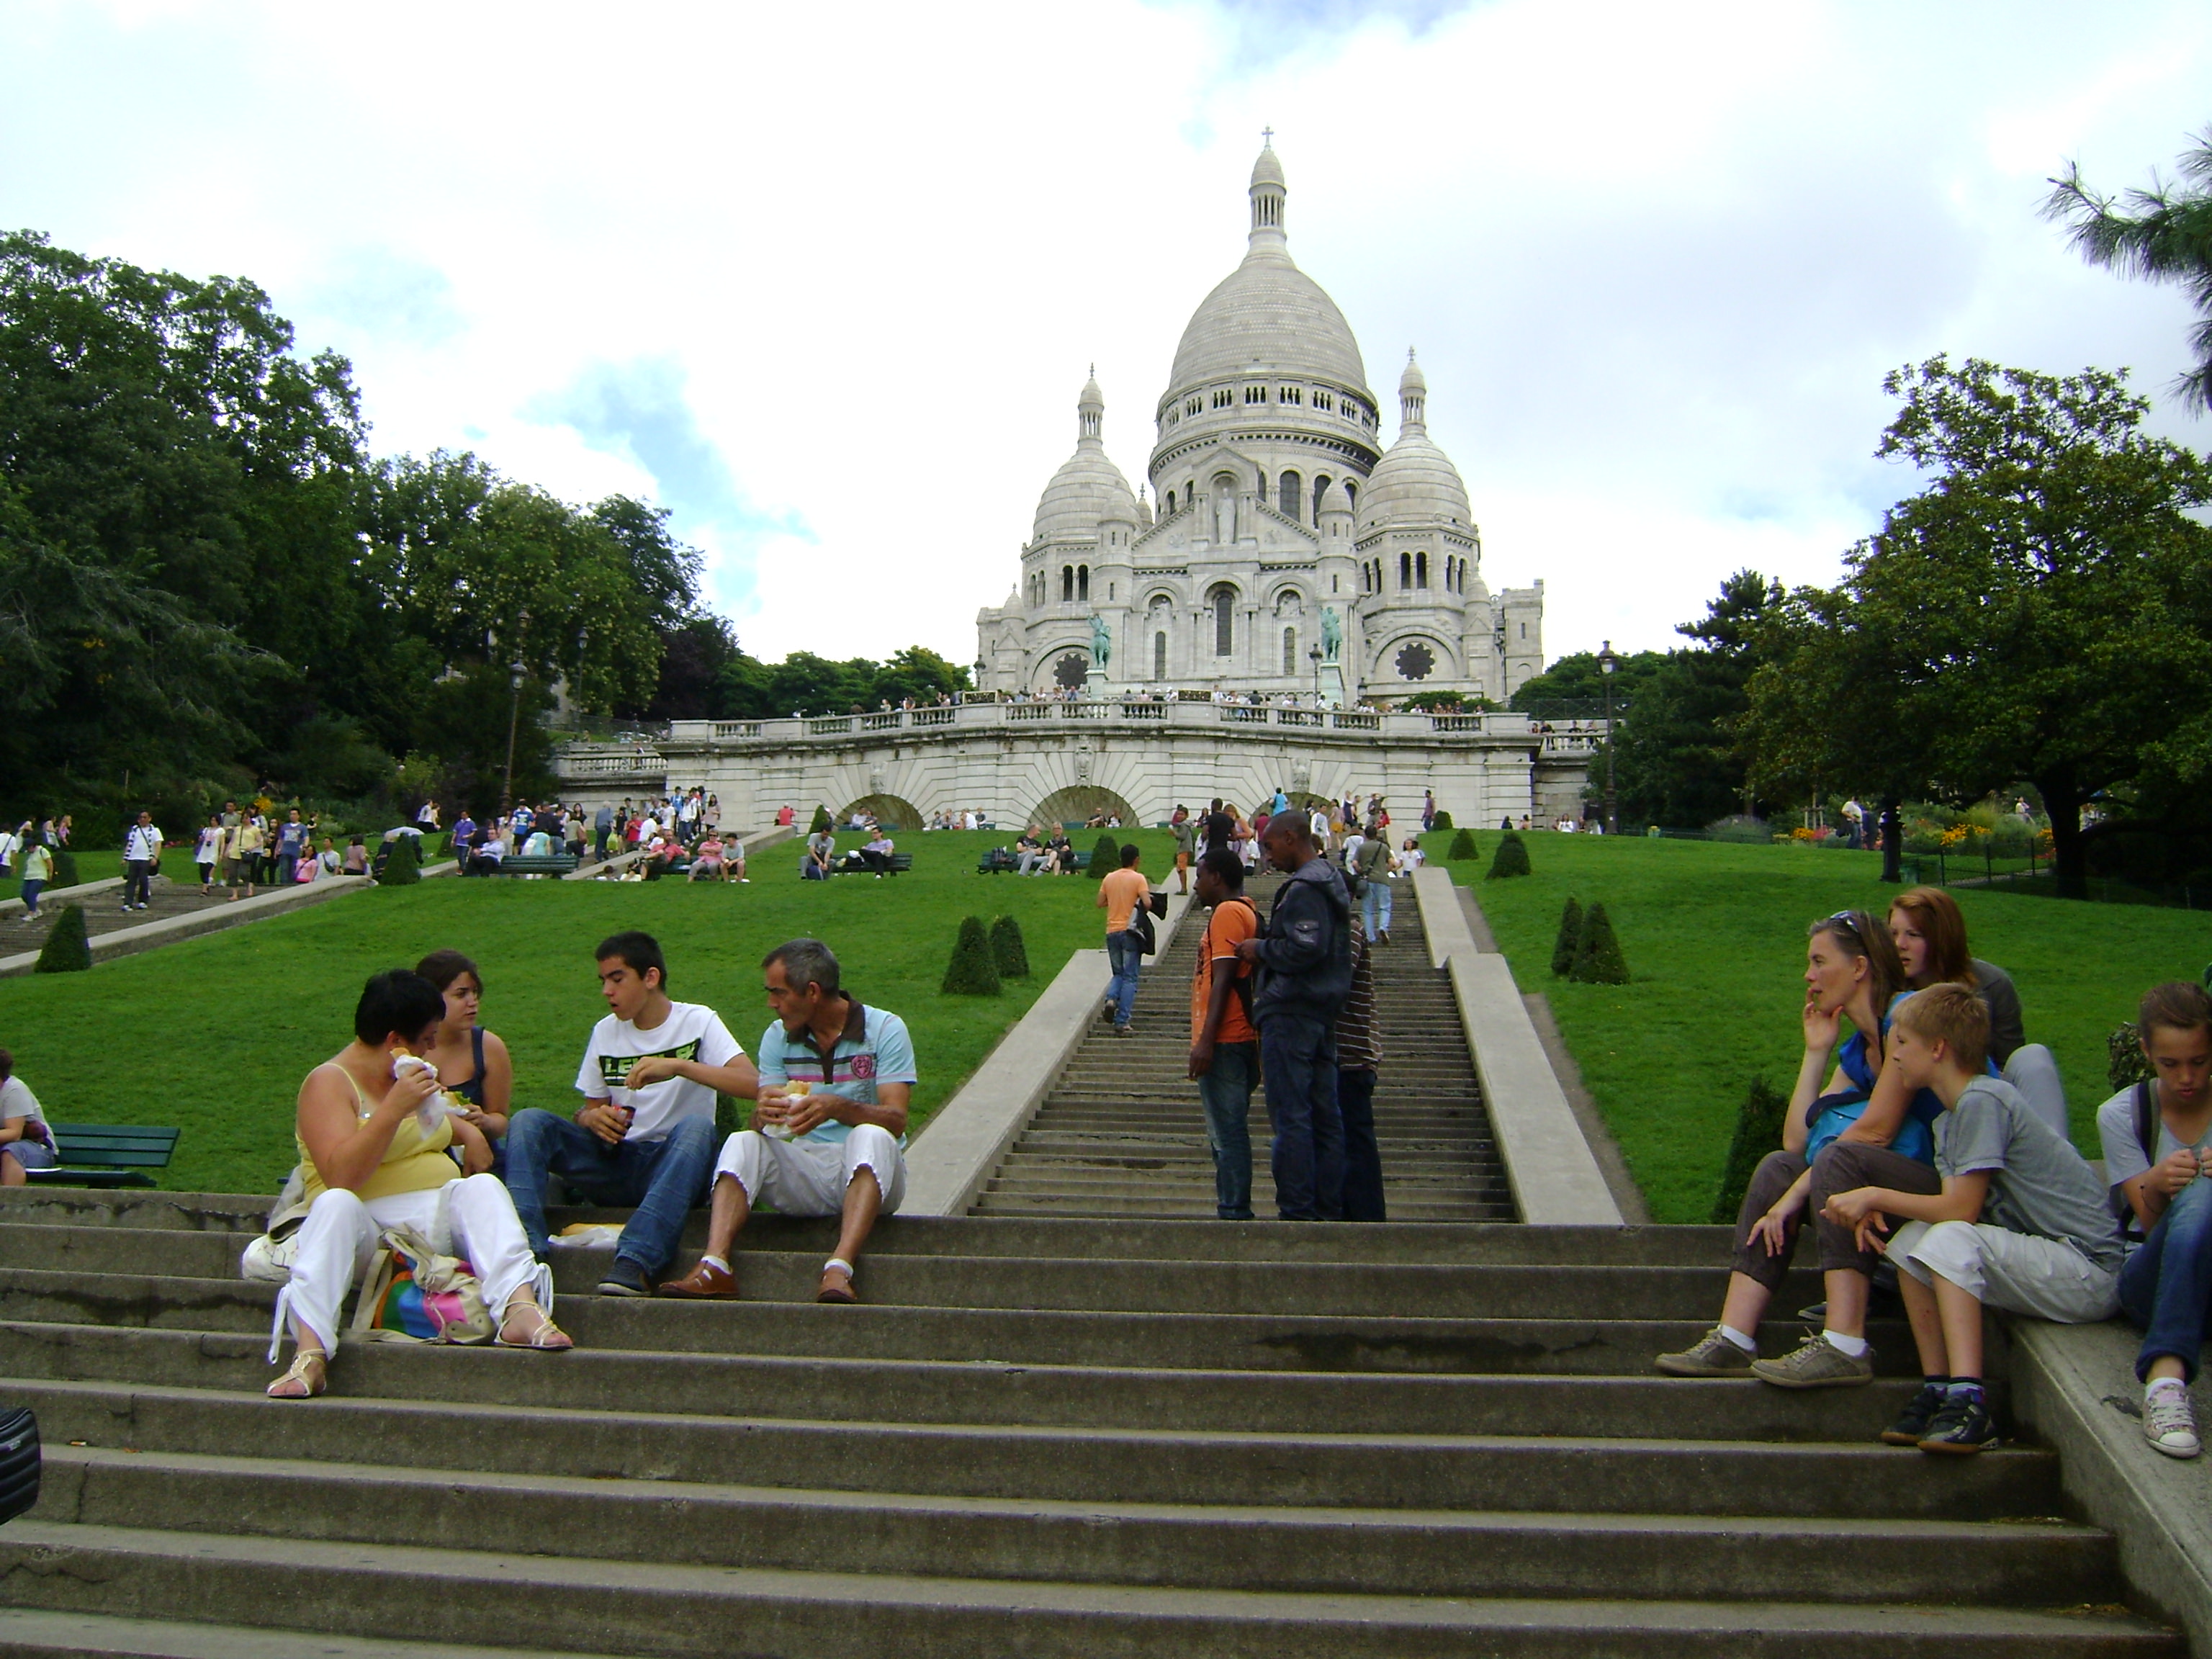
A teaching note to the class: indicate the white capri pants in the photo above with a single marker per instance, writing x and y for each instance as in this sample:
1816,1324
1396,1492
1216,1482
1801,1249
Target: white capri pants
2016,1272
809,1178
473,1218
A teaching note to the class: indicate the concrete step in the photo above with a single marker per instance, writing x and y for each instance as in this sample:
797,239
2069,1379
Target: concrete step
468,1596
1336,1550
1860,1480
1167,1206
34,1633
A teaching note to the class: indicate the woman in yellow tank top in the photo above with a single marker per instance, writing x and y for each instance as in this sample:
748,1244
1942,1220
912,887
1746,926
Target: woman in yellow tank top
368,1165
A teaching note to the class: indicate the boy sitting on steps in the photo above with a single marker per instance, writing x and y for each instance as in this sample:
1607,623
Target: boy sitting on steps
2022,1223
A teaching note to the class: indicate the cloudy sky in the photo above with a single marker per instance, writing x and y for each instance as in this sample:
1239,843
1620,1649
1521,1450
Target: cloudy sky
826,281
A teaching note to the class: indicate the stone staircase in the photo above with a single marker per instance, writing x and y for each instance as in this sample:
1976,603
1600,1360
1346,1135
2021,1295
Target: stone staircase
1121,1133
1052,1438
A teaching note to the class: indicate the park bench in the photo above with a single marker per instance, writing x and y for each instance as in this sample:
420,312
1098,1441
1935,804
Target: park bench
899,861
108,1155
552,864
999,861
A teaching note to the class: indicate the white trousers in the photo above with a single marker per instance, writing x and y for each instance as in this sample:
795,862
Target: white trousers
2016,1272
473,1220
809,1178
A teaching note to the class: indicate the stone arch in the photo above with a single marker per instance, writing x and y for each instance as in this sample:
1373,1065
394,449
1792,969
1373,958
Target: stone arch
1387,676
1221,599
1049,671
892,811
1077,804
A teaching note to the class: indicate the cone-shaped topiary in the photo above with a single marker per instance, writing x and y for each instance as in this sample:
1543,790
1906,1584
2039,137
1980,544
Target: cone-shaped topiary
1512,857
972,972
1008,950
1441,821
2124,1065
1106,857
66,873
1758,1132
1598,960
1570,937
819,821
1463,847
67,949
404,866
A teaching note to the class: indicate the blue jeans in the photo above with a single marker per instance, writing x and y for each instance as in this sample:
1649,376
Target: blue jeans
1299,1058
1127,956
1375,901
1225,1091
1363,1159
663,1179
2166,1286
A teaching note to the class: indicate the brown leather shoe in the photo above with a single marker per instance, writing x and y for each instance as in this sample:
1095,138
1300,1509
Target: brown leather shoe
704,1283
837,1285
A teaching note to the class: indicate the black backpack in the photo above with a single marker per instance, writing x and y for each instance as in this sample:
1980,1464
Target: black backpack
18,1462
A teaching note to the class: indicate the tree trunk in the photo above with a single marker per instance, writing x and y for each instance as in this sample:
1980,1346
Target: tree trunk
2070,861
1892,828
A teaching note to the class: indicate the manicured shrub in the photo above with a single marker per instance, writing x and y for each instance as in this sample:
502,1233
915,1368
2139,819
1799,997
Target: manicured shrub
403,866
1106,857
1512,857
68,949
1570,938
1463,847
2124,1065
973,972
1598,960
1758,1132
819,821
66,873
1441,821
1008,950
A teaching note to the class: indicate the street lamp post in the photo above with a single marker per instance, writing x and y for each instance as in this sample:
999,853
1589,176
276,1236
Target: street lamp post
1607,663
515,676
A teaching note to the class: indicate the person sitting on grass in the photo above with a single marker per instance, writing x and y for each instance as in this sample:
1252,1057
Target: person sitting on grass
1931,934
471,1062
830,1128
2022,1223
1833,1140
369,1163
706,863
645,1134
26,1142
2157,1141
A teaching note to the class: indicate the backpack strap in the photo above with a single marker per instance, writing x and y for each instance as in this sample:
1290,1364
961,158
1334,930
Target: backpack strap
2147,1120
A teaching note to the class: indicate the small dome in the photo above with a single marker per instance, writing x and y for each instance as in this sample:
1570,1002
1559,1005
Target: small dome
1089,488
1412,380
1335,499
1268,169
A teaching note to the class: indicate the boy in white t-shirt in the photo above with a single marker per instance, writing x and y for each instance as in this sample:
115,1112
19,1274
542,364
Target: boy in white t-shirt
645,1134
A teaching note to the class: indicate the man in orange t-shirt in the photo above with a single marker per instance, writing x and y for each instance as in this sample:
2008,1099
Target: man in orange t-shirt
1224,1049
1119,895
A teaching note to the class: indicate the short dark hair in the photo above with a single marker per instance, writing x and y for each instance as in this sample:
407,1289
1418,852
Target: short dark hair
1130,854
638,951
1295,826
806,961
7,1064
442,968
1225,865
399,1000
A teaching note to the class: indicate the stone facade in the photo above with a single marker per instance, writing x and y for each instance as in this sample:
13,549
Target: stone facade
1290,552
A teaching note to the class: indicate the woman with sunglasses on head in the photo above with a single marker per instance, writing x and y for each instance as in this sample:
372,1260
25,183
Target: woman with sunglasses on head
1931,934
1852,1130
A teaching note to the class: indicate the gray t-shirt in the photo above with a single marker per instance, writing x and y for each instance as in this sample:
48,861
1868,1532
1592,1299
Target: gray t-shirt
2007,1028
2038,1184
2123,1152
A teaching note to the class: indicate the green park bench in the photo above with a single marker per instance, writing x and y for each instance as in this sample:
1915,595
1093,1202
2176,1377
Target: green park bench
999,861
108,1155
900,863
550,864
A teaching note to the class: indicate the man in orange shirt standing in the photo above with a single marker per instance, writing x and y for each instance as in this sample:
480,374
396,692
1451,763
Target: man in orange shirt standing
1224,1049
1119,895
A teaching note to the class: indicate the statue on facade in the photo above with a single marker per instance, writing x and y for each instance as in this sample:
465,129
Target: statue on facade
1332,633
1102,642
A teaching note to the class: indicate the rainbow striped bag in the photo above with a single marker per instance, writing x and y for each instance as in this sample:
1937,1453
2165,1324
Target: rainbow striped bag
412,1294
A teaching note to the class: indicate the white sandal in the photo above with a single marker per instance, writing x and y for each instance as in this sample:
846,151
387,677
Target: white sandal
545,1335
309,1369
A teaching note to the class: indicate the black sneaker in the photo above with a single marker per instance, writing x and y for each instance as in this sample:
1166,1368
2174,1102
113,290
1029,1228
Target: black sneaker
1962,1424
1912,1424
625,1278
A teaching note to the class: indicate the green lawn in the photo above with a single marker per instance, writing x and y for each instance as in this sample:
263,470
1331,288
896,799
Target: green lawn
1714,938
214,1035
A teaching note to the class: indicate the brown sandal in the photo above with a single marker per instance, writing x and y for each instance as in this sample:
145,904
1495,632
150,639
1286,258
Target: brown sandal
836,1282
308,1376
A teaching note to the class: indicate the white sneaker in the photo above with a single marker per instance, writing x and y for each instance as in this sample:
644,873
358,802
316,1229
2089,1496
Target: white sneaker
2170,1422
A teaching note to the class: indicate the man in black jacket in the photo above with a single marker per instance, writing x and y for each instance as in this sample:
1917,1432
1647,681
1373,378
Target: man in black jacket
1305,965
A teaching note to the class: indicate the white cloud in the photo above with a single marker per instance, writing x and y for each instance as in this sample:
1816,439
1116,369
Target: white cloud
828,282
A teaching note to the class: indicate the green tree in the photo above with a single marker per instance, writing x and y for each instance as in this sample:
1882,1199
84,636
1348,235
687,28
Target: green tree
68,949
1570,938
2167,238
2036,613
1677,761
1598,958
1511,858
1009,949
1577,680
974,969
1758,1132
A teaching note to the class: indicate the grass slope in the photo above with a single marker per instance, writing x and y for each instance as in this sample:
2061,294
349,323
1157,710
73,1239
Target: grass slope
1714,938
214,1035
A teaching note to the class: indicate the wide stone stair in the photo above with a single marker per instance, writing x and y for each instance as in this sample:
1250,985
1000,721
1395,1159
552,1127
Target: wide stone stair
1052,1438
1121,1133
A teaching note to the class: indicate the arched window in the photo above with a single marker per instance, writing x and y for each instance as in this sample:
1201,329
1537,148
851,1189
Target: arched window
1405,571
1083,579
1067,583
1321,489
1159,657
1420,570
1171,503
1224,620
1351,494
1262,491
1290,652
1287,496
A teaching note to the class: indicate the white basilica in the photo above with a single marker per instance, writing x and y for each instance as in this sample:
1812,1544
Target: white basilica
1291,553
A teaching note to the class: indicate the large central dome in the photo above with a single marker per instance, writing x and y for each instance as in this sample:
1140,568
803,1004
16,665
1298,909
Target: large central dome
1267,314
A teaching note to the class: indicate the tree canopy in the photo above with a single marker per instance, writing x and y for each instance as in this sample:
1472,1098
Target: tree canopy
1679,759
